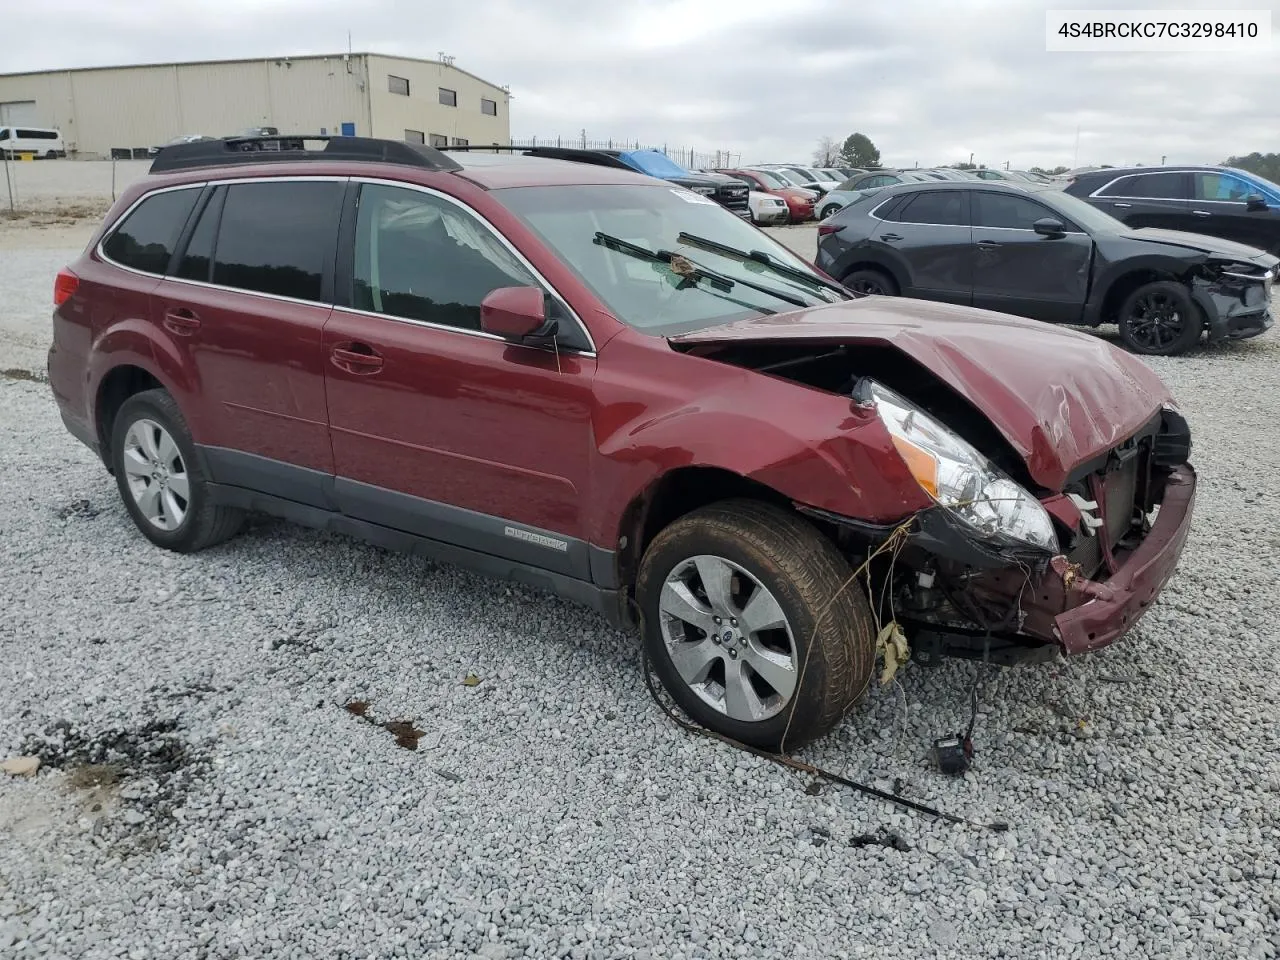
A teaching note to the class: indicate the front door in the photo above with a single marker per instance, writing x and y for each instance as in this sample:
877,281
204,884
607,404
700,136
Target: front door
1023,272
244,310
439,428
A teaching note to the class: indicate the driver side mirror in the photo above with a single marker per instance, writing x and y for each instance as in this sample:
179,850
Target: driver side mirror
517,314
1049,227
1255,202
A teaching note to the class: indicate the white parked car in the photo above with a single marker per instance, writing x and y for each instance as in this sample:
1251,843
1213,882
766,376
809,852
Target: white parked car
45,143
767,209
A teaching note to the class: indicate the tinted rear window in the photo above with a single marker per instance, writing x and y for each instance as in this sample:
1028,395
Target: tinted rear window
146,238
277,237
197,259
1168,186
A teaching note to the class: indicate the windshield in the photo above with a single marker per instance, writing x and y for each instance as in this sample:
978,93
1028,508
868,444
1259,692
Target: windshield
653,163
1273,189
771,179
651,296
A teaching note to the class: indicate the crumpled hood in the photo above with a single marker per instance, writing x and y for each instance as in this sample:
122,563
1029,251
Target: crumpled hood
1215,246
1059,397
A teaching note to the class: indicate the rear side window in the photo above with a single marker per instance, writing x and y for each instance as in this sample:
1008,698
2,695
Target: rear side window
945,207
1156,186
147,237
277,237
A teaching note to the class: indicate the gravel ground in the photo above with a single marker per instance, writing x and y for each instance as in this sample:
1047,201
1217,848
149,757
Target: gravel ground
206,791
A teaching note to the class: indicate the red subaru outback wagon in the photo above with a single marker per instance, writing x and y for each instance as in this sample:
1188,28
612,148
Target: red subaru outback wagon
606,385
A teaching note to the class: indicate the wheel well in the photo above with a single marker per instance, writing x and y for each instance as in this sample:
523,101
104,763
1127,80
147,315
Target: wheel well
668,499
878,268
117,387
1122,286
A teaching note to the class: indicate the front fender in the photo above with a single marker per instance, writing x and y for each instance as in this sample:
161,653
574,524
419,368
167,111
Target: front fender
816,448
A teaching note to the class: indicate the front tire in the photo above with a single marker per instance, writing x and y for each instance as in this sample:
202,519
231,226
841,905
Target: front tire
753,625
1160,319
830,210
160,479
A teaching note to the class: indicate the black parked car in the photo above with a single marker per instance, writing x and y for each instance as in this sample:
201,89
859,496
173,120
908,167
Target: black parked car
1219,201
1037,252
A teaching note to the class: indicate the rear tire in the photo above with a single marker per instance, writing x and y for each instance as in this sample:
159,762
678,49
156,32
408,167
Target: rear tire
1160,319
160,478
870,281
794,647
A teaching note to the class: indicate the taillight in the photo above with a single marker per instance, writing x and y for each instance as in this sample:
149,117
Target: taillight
64,286
826,229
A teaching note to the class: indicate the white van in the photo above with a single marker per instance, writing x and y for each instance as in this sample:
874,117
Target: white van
44,143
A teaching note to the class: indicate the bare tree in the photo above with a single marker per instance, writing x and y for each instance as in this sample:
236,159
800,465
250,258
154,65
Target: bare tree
827,154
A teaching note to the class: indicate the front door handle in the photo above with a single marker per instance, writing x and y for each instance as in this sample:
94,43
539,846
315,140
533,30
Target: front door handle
1122,206
359,358
890,237
1200,213
988,243
181,321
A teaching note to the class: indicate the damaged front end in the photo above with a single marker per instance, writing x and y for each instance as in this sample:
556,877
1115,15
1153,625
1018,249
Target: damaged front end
1235,297
1118,529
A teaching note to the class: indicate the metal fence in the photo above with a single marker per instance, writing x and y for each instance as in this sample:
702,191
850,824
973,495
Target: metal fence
687,157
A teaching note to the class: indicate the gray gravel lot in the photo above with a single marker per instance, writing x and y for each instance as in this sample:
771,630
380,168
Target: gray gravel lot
206,794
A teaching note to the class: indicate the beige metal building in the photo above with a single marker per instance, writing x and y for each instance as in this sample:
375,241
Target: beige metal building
101,110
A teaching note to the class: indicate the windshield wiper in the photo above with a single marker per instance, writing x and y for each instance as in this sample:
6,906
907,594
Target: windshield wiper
697,271
762,258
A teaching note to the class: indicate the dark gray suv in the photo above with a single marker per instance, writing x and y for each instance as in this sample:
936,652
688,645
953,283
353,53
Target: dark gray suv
1036,252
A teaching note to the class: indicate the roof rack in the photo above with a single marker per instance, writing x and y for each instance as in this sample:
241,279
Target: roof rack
230,151
601,158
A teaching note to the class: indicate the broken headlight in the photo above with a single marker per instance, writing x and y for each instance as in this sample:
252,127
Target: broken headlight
958,477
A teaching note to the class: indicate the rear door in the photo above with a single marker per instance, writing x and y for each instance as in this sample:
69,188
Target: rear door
1023,272
1161,199
929,233
1220,207
244,309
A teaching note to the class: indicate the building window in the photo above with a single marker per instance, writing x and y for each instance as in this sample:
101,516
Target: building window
414,136
398,85
448,98
489,107
439,141
461,142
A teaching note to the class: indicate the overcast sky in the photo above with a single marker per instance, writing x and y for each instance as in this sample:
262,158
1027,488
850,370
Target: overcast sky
930,81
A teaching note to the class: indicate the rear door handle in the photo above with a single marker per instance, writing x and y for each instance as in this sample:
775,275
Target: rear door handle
357,358
890,237
1200,213
181,321
1123,206
989,243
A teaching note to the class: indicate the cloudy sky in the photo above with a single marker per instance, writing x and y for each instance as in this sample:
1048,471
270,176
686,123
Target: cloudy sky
930,81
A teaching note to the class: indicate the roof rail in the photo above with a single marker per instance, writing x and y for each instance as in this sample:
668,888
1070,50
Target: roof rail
230,151
601,158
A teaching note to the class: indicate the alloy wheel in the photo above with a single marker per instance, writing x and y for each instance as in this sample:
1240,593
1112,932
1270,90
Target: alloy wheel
728,638
156,475
866,285
1156,321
